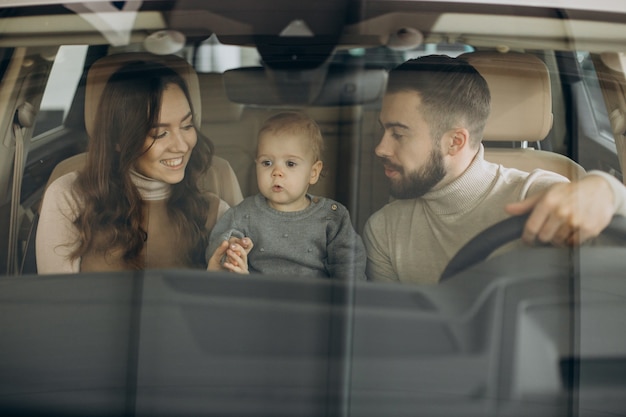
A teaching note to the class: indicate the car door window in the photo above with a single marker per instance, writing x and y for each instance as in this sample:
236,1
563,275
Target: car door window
61,88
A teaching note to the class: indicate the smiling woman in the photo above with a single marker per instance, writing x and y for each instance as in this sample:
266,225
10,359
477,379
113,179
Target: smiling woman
169,145
136,204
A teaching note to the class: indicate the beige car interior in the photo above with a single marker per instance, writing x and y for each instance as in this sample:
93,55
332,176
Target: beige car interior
521,114
521,111
233,128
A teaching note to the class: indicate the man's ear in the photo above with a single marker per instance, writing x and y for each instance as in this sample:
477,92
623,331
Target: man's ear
316,171
458,139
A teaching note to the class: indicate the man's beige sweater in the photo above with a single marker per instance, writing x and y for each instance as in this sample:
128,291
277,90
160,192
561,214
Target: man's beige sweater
413,240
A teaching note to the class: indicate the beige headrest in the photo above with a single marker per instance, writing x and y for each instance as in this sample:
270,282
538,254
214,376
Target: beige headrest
521,99
217,107
102,69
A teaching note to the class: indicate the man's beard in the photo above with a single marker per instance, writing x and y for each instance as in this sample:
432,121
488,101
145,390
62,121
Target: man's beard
417,183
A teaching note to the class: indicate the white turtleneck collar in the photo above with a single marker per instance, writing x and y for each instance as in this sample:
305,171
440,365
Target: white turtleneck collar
464,192
149,188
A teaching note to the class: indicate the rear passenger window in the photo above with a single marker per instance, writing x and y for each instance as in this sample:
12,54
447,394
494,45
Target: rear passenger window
61,88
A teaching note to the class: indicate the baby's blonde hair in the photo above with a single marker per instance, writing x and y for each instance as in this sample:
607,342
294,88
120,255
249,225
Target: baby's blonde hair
296,123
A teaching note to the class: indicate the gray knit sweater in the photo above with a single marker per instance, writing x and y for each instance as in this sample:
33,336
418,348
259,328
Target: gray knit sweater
318,241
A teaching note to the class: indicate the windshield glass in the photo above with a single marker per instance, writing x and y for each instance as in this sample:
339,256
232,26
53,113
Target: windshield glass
338,207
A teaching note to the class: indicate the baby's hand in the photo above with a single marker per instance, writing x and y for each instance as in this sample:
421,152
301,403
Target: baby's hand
244,243
236,259
231,256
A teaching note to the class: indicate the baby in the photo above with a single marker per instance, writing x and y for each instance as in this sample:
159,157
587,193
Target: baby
294,233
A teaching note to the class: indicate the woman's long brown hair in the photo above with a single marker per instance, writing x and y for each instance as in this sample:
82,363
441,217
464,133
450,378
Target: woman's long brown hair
111,215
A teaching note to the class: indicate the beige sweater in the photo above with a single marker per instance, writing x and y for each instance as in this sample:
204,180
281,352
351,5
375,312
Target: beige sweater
57,235
413,240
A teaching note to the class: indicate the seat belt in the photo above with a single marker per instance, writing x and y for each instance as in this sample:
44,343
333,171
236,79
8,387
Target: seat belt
24,119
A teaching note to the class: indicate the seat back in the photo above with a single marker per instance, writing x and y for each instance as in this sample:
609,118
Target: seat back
521,111
233,127
223,123
219,178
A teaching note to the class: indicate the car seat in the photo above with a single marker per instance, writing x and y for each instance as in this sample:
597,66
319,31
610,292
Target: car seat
521,111
232,135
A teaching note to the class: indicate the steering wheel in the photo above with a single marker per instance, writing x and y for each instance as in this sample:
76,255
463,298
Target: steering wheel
490,239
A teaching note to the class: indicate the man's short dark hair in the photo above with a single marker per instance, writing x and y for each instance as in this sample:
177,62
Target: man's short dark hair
452,92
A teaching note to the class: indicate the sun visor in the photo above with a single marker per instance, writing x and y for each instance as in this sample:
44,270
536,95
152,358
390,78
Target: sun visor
324,86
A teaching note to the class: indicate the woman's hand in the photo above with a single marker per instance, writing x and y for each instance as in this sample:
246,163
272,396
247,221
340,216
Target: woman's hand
231,255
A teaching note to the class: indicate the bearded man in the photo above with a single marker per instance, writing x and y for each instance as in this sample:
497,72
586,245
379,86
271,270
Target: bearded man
433,115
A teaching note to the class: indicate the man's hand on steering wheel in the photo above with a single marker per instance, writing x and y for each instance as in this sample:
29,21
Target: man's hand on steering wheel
567,214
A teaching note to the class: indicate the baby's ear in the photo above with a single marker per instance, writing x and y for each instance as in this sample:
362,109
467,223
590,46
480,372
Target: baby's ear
316,170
